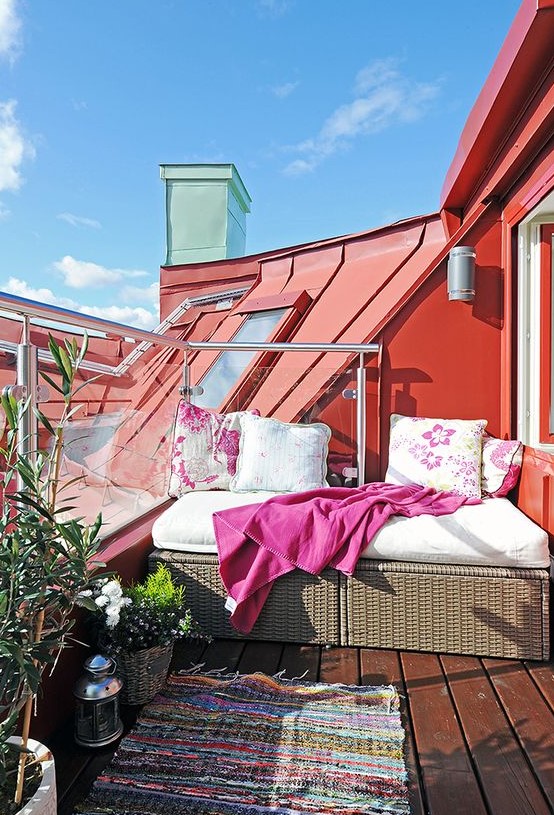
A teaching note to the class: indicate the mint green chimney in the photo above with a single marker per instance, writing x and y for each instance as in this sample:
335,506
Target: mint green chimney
206,206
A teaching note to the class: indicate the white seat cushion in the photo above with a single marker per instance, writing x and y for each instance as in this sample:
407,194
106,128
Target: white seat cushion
493,533
187,525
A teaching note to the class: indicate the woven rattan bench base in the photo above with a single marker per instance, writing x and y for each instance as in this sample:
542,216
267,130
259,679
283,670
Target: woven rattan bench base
454,609
473,610
300,608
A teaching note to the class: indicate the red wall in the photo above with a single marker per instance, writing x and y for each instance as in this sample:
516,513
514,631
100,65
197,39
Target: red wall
441,358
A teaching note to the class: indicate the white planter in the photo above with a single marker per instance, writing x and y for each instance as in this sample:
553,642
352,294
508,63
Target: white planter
44,801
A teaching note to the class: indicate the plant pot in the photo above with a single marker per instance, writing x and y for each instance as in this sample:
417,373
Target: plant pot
143,673
44,801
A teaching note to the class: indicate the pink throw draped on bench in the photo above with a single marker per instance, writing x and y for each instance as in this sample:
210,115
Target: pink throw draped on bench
309,530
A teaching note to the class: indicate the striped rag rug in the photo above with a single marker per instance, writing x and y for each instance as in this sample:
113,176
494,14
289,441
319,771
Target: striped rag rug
251,745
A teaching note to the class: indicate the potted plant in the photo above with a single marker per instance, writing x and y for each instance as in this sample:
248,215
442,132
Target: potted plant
46,560
137,626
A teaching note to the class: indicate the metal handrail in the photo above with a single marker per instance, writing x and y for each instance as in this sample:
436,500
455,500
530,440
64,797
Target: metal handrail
46,311
323,347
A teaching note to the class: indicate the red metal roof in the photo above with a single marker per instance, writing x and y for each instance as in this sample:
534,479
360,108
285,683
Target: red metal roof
526,54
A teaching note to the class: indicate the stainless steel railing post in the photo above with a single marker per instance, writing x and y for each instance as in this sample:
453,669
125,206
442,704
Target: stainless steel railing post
361,380
27,380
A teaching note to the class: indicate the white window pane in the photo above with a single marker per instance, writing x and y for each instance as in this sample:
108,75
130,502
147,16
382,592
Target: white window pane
230,365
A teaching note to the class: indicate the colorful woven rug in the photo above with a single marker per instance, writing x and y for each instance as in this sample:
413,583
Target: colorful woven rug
251,745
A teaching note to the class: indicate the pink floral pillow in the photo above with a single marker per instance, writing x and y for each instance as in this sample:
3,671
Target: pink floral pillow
441,453
205,449
501,466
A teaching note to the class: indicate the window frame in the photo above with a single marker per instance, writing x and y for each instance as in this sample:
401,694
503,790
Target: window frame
535,345
546,403
293,305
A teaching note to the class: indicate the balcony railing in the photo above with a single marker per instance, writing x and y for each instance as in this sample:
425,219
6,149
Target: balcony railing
120,441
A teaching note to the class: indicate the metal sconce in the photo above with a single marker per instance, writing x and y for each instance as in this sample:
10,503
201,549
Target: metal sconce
461,273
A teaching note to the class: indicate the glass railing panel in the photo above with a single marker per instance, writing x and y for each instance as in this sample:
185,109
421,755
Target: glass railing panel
117,445
290,394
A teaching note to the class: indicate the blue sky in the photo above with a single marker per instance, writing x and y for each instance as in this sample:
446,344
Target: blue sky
340,115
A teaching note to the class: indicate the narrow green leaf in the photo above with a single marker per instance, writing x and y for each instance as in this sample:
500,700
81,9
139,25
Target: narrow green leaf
44,421
86,383
51,382
65,363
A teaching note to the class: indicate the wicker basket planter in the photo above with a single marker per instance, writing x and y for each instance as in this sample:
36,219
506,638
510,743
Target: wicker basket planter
143,673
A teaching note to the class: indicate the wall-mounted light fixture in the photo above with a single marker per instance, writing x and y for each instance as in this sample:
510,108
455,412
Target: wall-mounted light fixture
461,273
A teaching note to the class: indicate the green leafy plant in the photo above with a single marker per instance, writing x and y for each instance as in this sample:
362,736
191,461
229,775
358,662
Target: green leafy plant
140,616
46,557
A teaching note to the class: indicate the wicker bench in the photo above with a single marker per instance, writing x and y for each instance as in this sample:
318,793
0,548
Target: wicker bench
300,608
473,610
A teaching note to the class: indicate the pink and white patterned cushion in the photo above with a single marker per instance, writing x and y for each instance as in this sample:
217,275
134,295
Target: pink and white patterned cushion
501,466
441,453
205,449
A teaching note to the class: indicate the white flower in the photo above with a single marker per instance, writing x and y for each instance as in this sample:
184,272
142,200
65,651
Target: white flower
112,617
113,610
102,600
113,590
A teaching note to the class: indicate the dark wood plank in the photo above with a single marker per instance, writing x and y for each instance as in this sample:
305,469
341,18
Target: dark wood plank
530,717
187,654
382,667
543,676
340,665
449,782
222,655
506,778
300,661
77,766
82,782
262,657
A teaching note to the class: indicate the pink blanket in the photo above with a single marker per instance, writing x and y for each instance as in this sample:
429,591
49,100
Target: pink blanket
310,531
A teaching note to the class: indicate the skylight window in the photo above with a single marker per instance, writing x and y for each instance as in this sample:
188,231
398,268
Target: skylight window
230,365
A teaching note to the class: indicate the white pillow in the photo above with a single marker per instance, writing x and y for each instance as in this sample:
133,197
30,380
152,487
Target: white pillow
280,457
441,453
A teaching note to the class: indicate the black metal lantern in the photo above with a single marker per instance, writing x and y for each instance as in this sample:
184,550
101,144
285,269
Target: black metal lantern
97,720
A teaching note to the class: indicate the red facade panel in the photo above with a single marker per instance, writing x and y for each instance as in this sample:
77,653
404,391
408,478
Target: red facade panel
504,99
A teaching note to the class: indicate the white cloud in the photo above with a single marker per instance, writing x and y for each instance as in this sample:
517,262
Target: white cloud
384,97
273,8
284,90
300,166
22,289
128,315
78,274
138,294
14,148
10,30
137,317
77,220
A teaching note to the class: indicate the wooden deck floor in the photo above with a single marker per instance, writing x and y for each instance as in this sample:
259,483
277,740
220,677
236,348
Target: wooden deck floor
480,732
